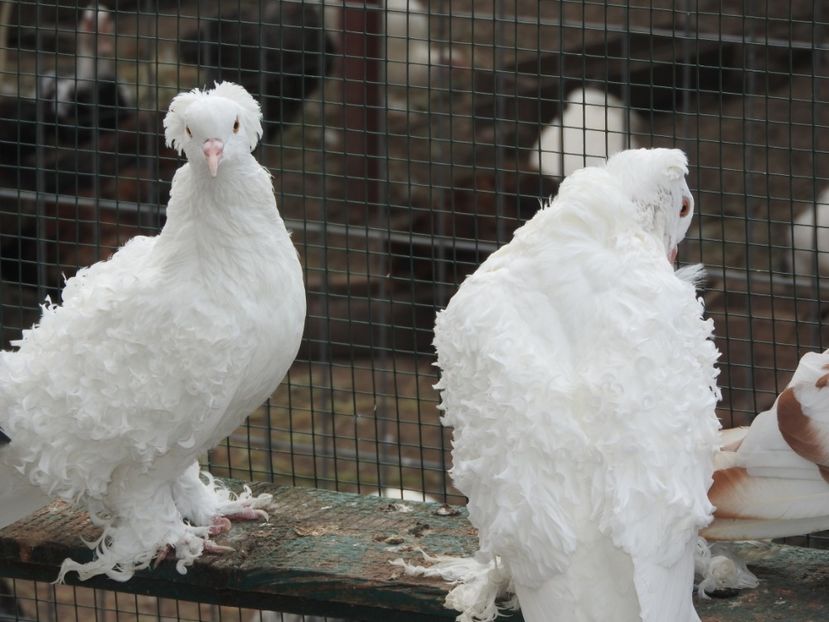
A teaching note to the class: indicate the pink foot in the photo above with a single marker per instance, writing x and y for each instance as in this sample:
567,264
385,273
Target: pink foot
220,524
212,547
161,556
248,514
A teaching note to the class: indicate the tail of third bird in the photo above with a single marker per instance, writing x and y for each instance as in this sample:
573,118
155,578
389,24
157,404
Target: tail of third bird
18,498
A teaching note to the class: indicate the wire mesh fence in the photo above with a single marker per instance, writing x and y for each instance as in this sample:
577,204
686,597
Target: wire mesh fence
407,141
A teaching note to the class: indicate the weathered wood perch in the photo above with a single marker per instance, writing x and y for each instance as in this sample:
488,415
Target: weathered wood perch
327,553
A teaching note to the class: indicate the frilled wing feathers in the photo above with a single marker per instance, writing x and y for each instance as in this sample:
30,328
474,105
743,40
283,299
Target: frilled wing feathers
118,371
578,375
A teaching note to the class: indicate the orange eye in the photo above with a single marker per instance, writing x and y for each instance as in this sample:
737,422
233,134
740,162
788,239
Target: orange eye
189,133
686,208
236,125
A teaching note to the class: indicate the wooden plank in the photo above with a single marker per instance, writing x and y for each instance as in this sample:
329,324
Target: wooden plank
321,552
328,553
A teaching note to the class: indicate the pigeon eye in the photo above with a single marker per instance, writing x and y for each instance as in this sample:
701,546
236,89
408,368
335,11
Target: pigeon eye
236,126
686,208
189,133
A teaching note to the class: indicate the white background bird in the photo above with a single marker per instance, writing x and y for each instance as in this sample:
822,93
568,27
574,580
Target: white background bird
772,478
412,58
157,354
579,377
594,126
810,239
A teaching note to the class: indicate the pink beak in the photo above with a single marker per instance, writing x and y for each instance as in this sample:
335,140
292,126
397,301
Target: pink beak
213,149
672,255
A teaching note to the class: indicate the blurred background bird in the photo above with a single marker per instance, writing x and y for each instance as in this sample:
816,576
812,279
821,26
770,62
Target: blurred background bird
579,377
810,240
593,126
91,97
158,353
278,51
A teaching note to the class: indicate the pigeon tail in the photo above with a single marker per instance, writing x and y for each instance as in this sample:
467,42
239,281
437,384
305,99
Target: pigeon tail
483,587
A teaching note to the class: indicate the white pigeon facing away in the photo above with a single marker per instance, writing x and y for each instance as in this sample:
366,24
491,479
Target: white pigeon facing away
579,376
158,353
810,239
772,478
594,126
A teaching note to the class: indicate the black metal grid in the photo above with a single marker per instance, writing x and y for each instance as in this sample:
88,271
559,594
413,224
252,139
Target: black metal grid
397,187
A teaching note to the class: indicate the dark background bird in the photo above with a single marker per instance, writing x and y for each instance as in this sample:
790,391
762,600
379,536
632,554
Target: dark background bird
278,51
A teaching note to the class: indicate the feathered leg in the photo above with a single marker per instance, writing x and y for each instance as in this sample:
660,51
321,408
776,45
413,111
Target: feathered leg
147,522
203,500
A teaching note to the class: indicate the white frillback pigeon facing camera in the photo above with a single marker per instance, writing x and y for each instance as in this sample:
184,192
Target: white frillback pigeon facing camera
158,353
579,376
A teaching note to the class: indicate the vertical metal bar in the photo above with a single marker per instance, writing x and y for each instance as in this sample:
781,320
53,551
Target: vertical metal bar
749,71
40,162
363,125
818,37
500,120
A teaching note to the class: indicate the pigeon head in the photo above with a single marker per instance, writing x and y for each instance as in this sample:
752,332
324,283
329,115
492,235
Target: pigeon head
654,179
213,127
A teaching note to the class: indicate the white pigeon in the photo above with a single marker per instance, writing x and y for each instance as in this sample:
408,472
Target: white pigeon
579,377
772,478
594,126
158,353
410,54
810,233
412,58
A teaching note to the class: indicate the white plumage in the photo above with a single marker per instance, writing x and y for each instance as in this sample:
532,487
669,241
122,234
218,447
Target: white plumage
772,478
158,353
412,58
593,126
580,379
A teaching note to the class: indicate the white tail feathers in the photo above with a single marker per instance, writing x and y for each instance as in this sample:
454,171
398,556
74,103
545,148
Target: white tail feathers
482,588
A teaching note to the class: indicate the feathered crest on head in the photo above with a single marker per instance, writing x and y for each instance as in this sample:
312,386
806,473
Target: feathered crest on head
637,164
174,124
250,115
676,163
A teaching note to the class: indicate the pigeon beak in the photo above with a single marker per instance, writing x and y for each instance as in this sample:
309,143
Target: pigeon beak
213,149
672,255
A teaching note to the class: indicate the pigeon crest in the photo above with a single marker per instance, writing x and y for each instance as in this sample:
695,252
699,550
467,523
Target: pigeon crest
249,114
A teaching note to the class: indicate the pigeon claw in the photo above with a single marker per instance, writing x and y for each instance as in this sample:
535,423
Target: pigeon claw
220,524
161,556
248,514
217,549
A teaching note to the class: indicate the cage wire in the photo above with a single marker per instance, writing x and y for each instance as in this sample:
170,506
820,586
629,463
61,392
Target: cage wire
403,138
